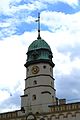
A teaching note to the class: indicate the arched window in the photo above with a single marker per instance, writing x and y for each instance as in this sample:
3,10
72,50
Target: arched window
34,82
34,97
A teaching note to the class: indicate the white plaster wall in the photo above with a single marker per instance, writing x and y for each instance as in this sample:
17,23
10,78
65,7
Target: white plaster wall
47,70
42,100
45,82
41,80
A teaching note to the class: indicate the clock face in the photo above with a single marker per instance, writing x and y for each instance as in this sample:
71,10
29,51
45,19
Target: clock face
35,69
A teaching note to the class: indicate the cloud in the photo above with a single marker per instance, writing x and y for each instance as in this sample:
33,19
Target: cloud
73,3
11,103
12,6
12,59
6,5
61,21
11,52
65,65
9,7
69,84
3,95
19,13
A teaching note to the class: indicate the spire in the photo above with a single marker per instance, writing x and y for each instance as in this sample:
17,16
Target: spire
38,26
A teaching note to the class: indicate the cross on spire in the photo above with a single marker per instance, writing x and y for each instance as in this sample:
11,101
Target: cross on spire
38,26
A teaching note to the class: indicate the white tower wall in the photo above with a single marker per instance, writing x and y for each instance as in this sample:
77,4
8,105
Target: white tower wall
39,88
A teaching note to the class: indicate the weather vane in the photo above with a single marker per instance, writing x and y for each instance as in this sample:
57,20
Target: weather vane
38,26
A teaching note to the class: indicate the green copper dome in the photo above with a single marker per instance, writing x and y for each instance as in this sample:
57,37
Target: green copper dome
39,44
39,52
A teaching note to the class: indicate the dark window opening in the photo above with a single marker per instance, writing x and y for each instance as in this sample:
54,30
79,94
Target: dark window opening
34,82
45,92
34,97
44,67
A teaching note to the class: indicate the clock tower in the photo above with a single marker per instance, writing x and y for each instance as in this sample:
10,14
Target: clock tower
39,90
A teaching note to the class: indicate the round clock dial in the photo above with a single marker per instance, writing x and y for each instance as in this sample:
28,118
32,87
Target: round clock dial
35,69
